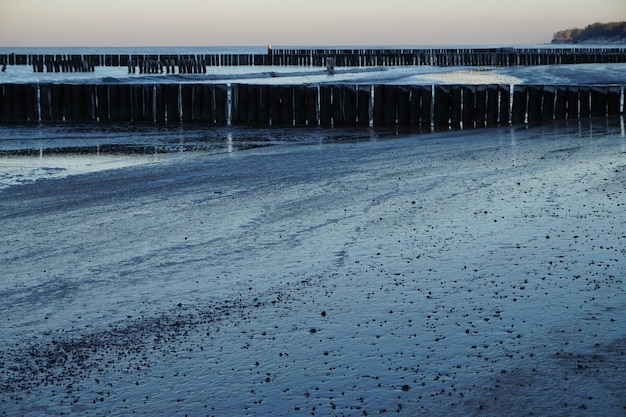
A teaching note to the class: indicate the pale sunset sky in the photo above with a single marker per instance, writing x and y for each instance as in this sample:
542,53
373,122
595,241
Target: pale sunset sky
294,22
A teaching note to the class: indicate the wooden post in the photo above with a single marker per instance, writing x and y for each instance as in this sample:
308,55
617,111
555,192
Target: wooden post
68,95
148,103
237,91
469,106
171,103
426,113
90,102
312,117
254,95
585,105
442,107
390,109
10,103
275,105
598,101
299,97
57,102
424,95
191,101
102,92
568,58
3,104
6,106
338,106
344,105
385,105
325,106
187,102
404,106
90,97
45,101
560,107
481,105
456,105
415,97
221,104
548,97
137,102
125,103
32,103
350,105
19,103
505,104
572,102
114,102
518,112
264,105
286,105
208,103
379,104
493,105
613,100
535,98
364,105
239,106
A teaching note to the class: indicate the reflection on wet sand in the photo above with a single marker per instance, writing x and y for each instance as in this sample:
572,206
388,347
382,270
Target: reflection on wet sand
59,150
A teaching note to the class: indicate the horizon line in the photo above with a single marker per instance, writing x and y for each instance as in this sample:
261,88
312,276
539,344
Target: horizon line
306,46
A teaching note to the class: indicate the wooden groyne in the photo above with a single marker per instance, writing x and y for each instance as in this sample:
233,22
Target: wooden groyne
185,63
114,103
438,107
500,57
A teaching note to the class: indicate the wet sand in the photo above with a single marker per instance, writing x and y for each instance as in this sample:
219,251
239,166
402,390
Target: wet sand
461,273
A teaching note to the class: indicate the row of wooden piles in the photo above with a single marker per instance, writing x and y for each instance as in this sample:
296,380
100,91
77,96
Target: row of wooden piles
114,103
342,57
439,106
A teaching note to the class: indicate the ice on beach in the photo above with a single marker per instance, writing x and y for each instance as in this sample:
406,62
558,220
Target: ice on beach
455,273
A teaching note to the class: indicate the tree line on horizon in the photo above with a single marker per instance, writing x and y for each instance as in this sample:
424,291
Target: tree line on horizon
609,32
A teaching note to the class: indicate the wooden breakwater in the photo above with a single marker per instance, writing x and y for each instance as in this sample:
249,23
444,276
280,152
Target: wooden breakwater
438,107
114,103
197,63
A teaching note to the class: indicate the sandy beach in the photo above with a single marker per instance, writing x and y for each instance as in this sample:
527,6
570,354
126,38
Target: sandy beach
456,273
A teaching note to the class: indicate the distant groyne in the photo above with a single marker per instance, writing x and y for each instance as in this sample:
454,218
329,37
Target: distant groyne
438,107
184,63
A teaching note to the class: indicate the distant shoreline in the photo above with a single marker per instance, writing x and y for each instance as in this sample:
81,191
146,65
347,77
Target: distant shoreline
594,41
594,34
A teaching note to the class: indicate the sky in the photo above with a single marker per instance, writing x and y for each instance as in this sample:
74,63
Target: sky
295,22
